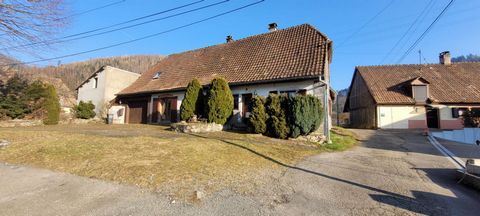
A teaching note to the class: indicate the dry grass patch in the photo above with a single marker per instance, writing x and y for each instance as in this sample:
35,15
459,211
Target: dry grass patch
150,156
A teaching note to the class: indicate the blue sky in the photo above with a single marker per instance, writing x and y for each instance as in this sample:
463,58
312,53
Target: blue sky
458,31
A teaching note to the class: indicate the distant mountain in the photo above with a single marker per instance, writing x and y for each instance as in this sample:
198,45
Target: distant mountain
467,58
67,77
340,103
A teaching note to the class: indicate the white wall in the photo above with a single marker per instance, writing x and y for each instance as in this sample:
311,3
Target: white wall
396,117
111,80
87,92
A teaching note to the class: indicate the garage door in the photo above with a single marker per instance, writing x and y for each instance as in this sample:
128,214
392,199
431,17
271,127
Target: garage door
137,112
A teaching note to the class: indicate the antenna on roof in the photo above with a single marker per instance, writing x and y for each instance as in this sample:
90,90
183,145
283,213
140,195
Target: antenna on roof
420,56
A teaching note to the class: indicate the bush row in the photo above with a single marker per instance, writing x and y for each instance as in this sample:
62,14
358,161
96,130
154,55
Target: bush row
216,106
283,117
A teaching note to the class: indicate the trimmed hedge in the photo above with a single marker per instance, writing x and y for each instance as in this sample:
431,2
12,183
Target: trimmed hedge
220,101
305,115
285,116
51,105
276,107
258,116
192,103
85,110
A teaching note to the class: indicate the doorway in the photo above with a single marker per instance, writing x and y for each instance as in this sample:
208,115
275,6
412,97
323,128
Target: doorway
246,100
164,110
432,118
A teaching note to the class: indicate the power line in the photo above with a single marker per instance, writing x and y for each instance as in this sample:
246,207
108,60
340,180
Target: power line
141,38
138,24
84,12
426,31
57,40
365,24
406,32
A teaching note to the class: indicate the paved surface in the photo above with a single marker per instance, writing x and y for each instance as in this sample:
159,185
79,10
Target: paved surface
461,150
390,173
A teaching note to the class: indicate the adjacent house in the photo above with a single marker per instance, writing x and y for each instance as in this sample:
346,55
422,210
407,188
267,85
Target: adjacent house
102,85
294,60
413,96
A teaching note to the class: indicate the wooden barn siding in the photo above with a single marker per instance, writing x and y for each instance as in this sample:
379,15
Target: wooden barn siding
362,106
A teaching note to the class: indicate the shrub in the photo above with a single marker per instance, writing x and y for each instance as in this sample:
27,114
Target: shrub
85,110
192,103
51,105
220,101
305,115
471,118
258,116
276,107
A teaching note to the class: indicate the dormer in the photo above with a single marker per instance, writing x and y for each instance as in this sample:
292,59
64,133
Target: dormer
420,90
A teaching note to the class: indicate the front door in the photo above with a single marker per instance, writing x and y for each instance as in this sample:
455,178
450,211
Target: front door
246,100
432,118
164,110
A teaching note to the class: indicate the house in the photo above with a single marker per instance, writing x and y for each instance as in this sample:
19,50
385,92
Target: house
102,85
413,96
294,60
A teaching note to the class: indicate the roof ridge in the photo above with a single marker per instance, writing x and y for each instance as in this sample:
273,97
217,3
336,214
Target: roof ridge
396,65
253,36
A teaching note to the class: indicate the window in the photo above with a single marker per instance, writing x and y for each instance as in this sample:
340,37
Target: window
289,93
302,92
157,75
458,112
95,82
235,102
273,92
420,93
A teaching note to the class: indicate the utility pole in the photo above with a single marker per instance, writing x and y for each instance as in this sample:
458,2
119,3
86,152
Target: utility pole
326,108
420,56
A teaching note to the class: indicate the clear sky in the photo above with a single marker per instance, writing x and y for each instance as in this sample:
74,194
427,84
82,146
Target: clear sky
458,30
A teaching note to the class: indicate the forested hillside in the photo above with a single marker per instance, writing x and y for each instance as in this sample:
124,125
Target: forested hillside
74,73
67,77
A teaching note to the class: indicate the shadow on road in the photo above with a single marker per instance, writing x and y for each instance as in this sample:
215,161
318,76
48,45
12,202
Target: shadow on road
421,203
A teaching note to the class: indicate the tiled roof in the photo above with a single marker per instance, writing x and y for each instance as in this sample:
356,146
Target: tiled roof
455,83
295,52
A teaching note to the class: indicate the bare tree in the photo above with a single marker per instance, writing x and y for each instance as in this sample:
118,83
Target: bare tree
30,22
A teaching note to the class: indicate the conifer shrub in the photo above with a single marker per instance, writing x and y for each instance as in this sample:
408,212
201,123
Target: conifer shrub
220,101
276,107
258,117
305,115
85,110
192,103
51,105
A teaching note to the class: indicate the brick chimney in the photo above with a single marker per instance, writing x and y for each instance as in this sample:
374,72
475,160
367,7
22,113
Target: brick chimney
272,27
445,58
229,38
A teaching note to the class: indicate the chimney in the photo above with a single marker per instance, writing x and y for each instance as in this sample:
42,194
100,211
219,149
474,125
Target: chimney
445,58
229,38
272,27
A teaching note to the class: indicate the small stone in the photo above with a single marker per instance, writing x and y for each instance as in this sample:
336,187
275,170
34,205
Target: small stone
172,202
4,143
199,195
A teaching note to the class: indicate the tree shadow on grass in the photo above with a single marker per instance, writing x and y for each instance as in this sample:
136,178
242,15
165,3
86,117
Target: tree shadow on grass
423,202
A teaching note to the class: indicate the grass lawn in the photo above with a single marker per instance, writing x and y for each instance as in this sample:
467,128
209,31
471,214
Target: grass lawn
153,157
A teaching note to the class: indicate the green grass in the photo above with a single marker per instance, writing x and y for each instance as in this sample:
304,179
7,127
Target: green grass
342,139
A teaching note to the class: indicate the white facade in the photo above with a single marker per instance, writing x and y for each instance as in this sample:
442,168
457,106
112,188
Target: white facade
398,117
102,86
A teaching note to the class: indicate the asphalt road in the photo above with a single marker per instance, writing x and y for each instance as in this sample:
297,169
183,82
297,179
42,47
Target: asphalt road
389,173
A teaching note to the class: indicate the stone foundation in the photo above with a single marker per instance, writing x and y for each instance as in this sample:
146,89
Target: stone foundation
198,127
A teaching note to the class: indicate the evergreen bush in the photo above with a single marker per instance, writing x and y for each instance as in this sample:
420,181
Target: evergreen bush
192,103
220,101
305,115
85,110
276,107
258,116
51,105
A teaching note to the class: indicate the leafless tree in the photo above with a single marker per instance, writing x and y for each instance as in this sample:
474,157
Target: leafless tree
30,22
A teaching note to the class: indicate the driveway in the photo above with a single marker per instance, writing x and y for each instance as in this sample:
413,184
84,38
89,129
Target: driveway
389,173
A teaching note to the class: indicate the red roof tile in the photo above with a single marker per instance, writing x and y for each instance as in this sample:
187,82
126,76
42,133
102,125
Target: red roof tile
296,52
455,83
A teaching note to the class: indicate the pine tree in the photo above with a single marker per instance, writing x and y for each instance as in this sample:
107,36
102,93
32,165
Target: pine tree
258,116
220,101
192,103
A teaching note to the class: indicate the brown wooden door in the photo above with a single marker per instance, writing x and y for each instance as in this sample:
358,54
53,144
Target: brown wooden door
137,112
173,109
246,100
156,110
